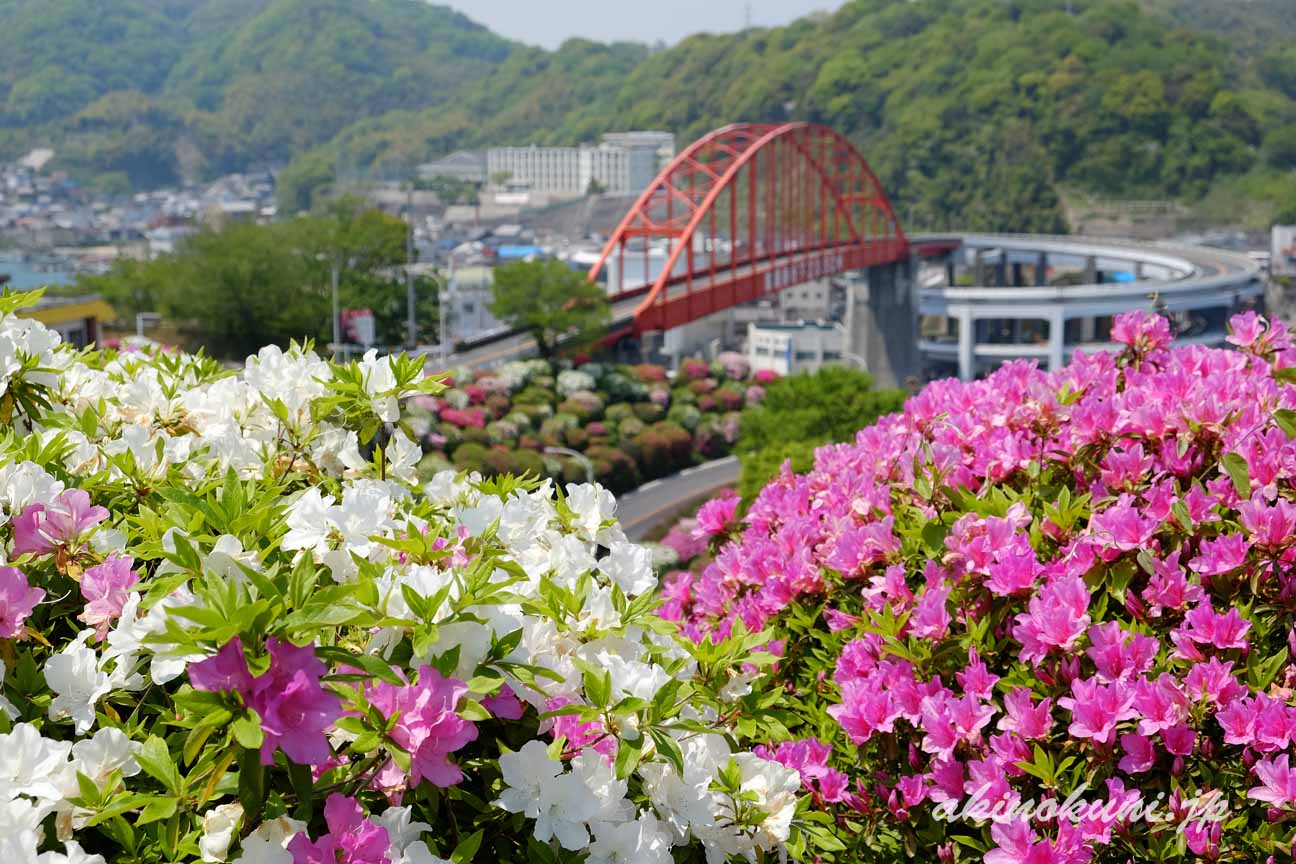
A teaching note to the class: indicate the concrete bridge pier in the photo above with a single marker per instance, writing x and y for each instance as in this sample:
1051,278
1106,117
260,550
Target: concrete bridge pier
882,322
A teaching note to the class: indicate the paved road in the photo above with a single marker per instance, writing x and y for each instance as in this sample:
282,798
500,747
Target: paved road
645,508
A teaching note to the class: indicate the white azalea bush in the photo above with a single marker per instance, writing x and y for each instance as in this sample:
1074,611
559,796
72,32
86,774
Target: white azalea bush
232,627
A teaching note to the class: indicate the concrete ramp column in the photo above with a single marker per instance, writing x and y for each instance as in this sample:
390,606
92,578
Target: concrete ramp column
882,322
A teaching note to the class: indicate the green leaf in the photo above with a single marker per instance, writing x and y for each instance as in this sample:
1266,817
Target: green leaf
598,687
157,809
155,760
1286,420
247,731
467,848
628,755
1236,466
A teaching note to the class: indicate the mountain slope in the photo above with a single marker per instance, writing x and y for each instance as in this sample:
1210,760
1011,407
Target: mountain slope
974,112
154,89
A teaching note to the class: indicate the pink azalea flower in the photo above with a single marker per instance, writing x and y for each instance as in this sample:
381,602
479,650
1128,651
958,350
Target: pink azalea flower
930,619
17,600
1220,555
865,709
838,620
1277,782
1027,720
1245,328
579,735
1213,682
1270,527
1160,703
715,516
1141,331
1055,618
505,704
1119,655
352,838
428,727
42,528
106,588
295,710
1179,740
1139,756
224,672
1226,630
1097,708
1122,527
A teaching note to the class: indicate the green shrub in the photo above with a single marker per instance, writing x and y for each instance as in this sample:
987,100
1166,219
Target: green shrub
649,412
614,468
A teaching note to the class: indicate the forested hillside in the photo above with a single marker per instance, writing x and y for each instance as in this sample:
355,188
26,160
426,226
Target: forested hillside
975,112
145,91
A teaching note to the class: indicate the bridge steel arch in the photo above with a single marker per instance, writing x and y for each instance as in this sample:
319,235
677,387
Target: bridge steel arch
746,211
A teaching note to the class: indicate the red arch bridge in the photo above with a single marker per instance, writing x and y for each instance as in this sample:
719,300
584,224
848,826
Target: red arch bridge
744,212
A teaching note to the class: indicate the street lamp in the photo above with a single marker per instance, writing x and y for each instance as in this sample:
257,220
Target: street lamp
145,318
856,359
579,457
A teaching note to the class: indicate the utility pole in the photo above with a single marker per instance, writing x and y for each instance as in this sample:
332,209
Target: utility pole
337,326
411,336
443,313
747,16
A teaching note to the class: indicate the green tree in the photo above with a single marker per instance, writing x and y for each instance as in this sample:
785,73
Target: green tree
803,412
1280,147
253,285
551,301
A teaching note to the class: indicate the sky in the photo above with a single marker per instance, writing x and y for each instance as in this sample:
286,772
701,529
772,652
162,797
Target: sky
549,22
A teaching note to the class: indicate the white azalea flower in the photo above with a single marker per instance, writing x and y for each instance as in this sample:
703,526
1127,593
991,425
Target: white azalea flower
268,843
218,827
644,841
630,567
78,684
33,765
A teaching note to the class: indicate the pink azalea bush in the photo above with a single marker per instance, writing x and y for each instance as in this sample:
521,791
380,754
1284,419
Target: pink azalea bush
1034,586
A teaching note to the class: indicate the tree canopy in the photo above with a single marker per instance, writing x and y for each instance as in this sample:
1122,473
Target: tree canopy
550,300
251,285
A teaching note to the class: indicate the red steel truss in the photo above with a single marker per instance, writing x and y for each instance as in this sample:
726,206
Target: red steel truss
746,211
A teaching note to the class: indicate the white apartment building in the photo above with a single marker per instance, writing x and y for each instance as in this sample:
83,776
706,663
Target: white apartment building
791,348
624,163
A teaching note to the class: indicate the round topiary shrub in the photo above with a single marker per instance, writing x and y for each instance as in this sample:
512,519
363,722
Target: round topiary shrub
476,434
703,386
694,369
575,437
534,395
530,463
501,432
614,468
630,427
618,411
451,435
650,373
683,396
1061,600
649,412
497,462
729,398
470,456
687,416
621,388
497,405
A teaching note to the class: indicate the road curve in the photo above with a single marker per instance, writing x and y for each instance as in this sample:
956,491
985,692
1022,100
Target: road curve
644,509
